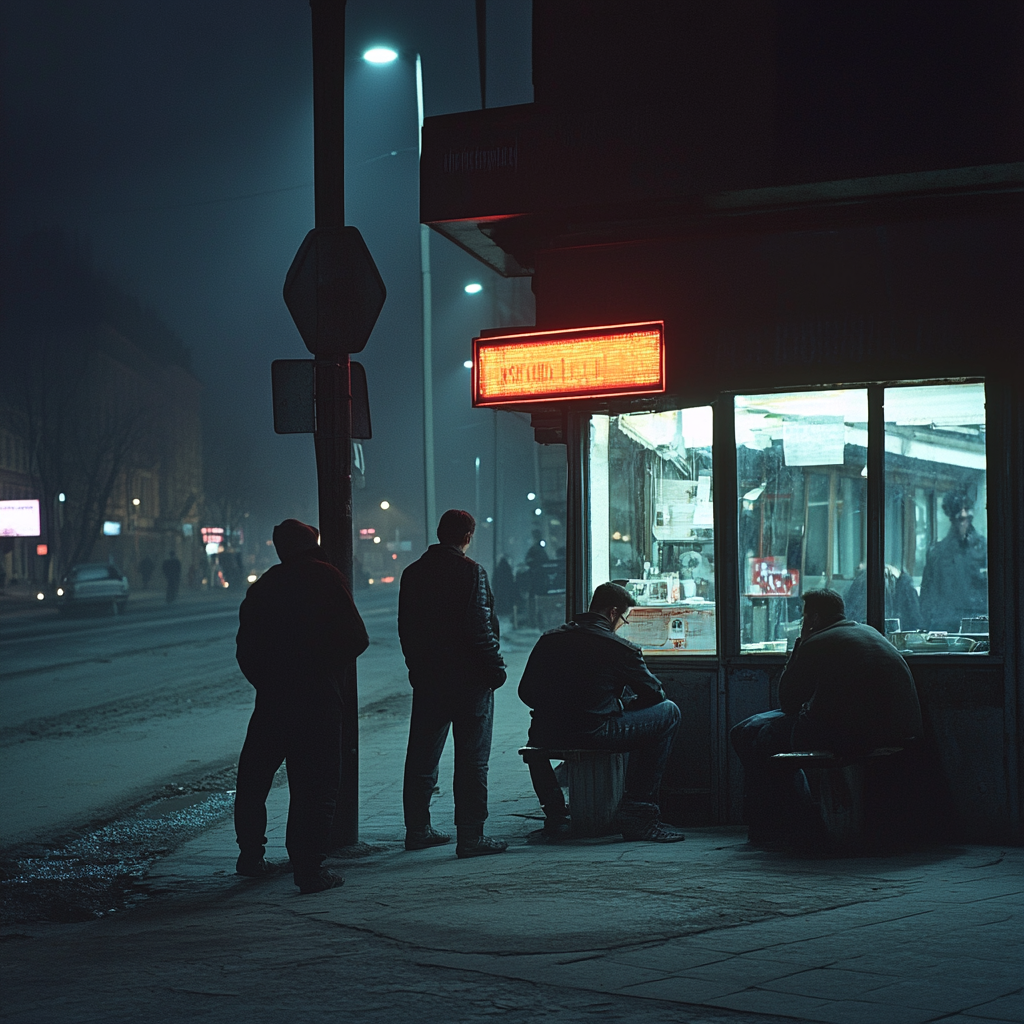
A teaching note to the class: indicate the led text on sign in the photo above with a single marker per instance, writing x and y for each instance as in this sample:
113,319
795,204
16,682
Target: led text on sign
625,359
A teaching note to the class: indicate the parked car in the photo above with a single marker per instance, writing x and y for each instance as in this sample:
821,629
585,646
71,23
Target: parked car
93,586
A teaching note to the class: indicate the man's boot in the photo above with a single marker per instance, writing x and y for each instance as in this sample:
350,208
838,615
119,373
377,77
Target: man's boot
472,842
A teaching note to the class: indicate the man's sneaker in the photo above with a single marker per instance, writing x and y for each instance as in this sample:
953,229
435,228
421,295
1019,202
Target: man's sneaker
322,880
423,838
653,832
252,868
641,822
480,846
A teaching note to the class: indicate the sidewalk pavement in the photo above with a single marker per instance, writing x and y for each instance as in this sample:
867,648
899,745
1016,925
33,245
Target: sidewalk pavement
705,930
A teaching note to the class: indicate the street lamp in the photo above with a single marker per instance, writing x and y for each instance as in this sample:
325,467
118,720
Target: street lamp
381,55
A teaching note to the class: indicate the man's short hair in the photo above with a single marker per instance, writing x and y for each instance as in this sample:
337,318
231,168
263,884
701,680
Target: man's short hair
611,595
454,526
827,605
954,501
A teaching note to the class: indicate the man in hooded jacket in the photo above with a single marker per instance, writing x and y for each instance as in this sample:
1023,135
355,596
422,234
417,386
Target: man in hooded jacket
299,631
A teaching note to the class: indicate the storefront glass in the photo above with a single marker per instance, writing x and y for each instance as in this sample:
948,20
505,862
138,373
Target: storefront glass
936,553
802,516
652,524
801,474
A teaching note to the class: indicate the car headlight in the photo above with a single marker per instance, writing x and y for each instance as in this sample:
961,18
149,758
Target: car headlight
60,591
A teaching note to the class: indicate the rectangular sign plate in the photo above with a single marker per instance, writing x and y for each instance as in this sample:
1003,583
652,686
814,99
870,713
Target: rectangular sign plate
547,366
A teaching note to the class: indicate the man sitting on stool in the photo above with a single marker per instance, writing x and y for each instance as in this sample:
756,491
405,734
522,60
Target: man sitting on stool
590,689
845,689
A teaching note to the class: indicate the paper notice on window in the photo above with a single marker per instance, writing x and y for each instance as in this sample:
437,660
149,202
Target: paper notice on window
704,513
814,441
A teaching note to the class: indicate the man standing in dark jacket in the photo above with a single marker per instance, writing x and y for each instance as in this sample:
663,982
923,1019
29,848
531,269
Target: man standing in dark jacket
954,584
590,689
299,632
845,688
449,635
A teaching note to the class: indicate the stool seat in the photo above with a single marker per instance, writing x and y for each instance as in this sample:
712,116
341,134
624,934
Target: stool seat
596,782
836,785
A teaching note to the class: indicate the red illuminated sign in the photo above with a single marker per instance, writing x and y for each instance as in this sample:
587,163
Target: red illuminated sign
770,577
592,362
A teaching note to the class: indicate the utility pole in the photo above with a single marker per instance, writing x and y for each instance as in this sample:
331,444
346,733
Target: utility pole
332,388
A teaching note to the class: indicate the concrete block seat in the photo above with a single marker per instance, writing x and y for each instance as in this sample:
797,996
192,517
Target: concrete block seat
852,811
596,779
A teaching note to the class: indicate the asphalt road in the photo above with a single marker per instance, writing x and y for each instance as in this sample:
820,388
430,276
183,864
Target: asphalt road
98,713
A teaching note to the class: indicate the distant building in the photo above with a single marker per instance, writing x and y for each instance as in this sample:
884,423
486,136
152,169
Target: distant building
99,422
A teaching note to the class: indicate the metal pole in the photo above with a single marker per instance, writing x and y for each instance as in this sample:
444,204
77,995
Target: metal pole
333,436
429,493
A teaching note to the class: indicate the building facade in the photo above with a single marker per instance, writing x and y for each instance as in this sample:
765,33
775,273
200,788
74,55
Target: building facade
818,209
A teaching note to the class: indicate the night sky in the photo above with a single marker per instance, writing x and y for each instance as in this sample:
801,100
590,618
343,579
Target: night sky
174,141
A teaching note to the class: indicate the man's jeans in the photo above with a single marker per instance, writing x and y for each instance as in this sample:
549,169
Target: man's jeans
470,715
646,735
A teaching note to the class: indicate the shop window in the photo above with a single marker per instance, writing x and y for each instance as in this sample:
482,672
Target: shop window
652,525
801,474
936,553
802,516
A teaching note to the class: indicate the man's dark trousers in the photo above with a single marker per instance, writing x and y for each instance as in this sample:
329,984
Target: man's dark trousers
306,736
469,712
646,735
770,796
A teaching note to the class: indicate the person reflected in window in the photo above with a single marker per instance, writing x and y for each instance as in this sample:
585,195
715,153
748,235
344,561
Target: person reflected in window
901,600
954,584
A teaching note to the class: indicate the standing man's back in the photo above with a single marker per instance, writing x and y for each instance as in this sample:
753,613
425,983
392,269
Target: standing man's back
449,635
299,631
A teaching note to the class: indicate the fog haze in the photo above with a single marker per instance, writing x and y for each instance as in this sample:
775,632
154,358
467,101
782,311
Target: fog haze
174,143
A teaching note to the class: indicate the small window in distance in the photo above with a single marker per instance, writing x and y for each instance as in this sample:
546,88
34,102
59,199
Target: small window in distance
801,463
652,525
935,527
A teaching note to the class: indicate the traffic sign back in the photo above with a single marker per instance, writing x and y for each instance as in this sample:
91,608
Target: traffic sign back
334,291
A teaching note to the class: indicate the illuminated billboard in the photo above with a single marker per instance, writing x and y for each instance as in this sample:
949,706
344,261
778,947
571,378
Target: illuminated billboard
547,366
19,517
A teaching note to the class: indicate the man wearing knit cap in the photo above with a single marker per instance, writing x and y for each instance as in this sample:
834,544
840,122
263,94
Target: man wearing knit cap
299,631
449,635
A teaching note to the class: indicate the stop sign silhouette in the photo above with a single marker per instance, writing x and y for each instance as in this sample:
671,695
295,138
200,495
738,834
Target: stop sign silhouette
334,291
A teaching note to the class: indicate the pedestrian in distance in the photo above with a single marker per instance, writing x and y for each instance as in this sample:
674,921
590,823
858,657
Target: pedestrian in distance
449,634
590,689
171,568
298,635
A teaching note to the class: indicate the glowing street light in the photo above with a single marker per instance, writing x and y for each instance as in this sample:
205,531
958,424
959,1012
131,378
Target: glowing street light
385,55
473,288
385,504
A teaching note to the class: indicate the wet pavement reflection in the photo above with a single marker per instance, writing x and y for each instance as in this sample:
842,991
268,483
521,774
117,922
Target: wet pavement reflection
102,871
